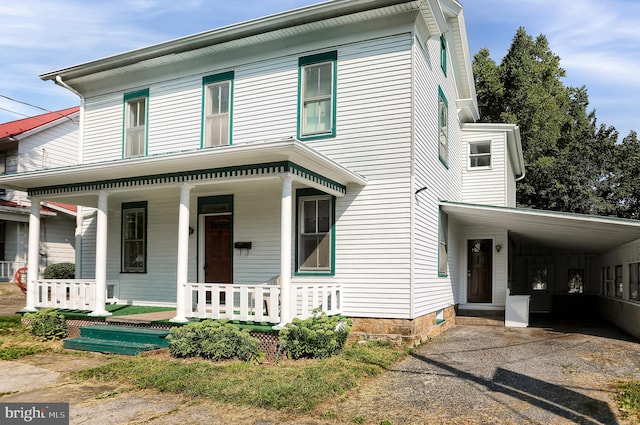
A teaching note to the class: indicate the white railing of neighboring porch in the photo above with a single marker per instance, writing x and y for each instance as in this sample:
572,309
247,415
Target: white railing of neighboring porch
9,268
258,303
66,293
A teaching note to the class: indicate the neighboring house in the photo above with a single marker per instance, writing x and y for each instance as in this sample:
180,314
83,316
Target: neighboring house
325,157
36,143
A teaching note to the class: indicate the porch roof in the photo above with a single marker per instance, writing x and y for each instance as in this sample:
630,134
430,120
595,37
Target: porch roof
241,161
589,234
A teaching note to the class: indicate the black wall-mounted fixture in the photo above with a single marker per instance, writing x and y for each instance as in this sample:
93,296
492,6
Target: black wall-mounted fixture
242,245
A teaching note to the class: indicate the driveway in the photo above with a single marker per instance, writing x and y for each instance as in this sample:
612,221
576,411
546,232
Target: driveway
497,375
468,375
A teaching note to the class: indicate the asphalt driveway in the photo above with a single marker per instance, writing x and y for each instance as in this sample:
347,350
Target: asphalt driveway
557,374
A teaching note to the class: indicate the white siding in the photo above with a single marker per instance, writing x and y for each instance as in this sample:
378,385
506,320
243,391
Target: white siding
485,185
103,128
432,292
88,249
53,147
57,239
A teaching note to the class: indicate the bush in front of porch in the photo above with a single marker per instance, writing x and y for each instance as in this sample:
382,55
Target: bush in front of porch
319,336
214,340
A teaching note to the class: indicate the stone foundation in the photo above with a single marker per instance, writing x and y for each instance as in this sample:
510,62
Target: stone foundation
410,332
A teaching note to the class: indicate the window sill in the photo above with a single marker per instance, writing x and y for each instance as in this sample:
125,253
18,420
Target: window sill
443,161
317,136
314,273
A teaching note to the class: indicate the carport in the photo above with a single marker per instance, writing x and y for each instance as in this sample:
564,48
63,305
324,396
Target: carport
556,258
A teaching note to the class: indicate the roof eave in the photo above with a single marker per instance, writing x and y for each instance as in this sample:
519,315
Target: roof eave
287,19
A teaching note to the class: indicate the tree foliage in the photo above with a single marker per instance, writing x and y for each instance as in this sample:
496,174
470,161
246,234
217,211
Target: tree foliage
573,164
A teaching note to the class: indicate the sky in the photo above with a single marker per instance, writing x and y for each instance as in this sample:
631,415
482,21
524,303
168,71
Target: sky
596,41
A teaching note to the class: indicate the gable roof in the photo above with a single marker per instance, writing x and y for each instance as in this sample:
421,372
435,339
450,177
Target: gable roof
19,127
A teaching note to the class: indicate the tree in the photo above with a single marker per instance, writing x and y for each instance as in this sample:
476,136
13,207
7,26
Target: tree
563,149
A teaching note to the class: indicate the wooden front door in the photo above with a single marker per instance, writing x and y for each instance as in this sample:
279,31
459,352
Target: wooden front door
479,270
218,255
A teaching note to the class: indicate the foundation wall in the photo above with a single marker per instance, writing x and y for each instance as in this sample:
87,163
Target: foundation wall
409,332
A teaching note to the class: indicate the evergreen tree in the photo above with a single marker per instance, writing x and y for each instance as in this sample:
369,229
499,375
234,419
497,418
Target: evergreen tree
566,155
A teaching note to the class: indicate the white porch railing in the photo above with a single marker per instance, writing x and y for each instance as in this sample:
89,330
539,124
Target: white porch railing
66,293
256,303
259,303
9,268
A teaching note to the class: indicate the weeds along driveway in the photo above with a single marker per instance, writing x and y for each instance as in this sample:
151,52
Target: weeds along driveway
494,375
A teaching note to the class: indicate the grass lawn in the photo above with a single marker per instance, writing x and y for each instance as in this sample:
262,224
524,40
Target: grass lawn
294,386
628,399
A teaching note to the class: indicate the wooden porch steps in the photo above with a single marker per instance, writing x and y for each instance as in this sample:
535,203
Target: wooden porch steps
118,339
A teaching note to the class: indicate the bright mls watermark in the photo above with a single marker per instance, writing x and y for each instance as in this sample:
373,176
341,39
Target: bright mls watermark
34,413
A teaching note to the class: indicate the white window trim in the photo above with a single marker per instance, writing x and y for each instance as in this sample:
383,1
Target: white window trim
470,155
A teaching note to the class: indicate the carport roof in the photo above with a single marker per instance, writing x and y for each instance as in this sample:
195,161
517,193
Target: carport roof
589,234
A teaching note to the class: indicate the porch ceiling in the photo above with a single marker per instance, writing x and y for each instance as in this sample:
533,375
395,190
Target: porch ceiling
589,234
223,163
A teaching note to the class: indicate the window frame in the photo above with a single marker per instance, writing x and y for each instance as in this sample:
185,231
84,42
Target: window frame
443,54
473,156
443,128
634,286
308,194
618,282
443,244
141,206
207,83
129,99
313,61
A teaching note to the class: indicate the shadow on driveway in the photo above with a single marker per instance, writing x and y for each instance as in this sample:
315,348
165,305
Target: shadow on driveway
497,375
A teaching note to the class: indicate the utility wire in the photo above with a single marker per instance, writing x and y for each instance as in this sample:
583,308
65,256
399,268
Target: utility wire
33,106
14,112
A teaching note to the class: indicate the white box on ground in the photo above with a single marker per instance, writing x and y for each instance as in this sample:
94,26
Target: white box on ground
517,312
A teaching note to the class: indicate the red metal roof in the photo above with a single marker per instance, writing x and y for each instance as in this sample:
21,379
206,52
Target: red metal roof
15,128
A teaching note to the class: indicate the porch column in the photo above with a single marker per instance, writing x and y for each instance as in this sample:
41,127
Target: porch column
285,253
183,254
33,254
101,257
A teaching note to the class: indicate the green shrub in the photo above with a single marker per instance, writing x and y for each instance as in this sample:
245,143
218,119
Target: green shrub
60,271
318,336
214,340
47,324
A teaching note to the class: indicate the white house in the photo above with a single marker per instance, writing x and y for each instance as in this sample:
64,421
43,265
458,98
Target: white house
44,141
325,157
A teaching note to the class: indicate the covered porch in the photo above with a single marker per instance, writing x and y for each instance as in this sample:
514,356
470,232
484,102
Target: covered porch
189,202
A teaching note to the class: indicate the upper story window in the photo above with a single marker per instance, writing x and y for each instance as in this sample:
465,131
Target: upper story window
134,237
315,232
3,163
135,123
218,94
443,125
480,154
317,95
443,54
